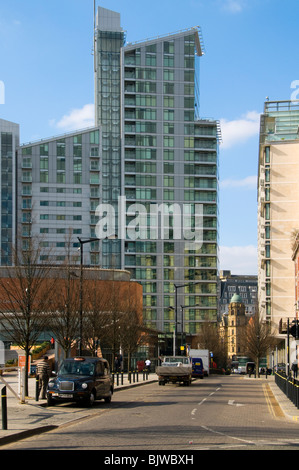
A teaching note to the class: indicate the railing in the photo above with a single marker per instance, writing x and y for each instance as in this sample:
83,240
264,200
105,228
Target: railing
289,386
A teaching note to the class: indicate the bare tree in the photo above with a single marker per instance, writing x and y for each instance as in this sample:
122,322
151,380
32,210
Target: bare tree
25,298
258,339
64,316
131,336
210,338
97,318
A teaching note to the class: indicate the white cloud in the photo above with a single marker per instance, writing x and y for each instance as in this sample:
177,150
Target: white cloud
234,6
76,119
250,182
238,259
240,130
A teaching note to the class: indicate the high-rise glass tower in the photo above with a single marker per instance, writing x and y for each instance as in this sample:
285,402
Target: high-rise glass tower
9,140
157,152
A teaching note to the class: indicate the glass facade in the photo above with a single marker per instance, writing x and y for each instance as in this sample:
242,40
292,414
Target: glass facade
59,194
157,152
108,116
9,139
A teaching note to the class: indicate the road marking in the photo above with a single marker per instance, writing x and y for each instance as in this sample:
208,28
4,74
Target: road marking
272,403
232,402
202,401
230,437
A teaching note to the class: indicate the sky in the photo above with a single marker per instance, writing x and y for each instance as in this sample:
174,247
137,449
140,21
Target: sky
251,54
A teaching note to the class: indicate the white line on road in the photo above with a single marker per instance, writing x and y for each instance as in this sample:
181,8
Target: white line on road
232,402
223,434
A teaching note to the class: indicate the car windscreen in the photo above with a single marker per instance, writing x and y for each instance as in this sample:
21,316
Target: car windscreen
76,368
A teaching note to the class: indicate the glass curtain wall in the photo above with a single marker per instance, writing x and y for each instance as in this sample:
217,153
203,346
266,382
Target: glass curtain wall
108,115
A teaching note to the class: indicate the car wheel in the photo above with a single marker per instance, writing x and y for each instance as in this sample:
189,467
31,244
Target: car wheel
108,399
91,399
50,401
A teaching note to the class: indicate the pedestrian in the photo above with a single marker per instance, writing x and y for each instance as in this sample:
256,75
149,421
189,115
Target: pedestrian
43,372
148,364
295,369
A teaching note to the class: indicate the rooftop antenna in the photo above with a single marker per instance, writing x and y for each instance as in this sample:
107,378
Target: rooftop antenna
94,33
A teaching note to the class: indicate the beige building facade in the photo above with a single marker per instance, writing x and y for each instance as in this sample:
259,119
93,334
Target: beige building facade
278,213
233,326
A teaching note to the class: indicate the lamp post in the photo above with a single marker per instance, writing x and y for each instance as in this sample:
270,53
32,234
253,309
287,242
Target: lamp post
82,243
183,315
176,287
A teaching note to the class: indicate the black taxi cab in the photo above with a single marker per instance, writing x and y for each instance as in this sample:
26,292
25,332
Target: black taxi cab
81,379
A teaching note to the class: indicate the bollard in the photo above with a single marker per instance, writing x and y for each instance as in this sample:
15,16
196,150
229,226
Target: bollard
4,408
122,378
117,378
36,388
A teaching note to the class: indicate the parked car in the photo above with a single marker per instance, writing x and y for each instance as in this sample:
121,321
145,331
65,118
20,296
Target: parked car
82,380
197,367
280,367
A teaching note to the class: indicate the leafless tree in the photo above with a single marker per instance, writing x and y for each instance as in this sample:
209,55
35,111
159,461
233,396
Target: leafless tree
131,336
64,317
210,338
25,298
258,339
97,319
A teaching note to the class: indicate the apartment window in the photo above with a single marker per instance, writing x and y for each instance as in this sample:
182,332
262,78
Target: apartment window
26,162
26,190
26,203
168,101
61,164
77,178
168,115
168,154
60,177
168,141
168,181
168,167
267,154
168,128
168,74
168,88
168,194
26,176
60,148
44,177
168,47
94,139
27,151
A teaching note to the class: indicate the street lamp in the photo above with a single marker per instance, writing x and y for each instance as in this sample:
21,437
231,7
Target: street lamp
176,287
82,243
183,316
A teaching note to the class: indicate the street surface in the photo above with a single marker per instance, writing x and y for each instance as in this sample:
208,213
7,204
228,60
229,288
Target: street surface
216,413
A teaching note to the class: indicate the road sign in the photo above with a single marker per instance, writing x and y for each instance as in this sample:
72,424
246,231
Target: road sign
22,362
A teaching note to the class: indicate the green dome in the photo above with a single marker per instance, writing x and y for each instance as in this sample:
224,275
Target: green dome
236,299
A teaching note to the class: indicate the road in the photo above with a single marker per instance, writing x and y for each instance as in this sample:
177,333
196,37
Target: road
216,413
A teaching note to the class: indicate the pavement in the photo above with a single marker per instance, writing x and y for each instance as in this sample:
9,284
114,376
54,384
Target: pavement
30,417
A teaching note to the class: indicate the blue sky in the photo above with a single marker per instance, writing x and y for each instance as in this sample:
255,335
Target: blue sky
251,52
